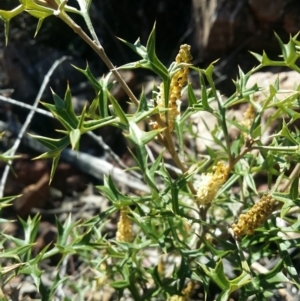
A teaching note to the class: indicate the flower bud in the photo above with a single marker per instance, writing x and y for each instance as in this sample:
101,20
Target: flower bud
178,80
124,232
255,217
210,183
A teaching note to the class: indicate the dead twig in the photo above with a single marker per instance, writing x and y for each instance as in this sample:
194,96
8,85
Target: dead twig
28,120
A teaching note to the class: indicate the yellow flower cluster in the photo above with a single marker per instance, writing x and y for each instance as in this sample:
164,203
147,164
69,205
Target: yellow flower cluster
178,80
161,267
124,232
210,183
186,293
249,116
255,217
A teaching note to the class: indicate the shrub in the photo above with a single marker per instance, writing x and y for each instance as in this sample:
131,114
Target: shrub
208,224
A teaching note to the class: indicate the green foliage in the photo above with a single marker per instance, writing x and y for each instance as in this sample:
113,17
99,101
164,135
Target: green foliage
168,220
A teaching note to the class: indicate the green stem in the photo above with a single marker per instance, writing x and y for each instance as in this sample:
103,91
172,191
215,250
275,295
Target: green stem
295,148
88,22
